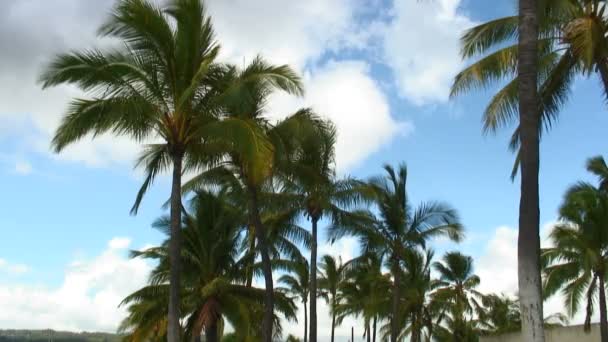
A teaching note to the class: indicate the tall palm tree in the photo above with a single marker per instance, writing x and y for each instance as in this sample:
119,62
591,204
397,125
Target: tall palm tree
597,166
578,262
399,227
528,241
298,285
213,286
523,96
312,183
246,114
152,87
331,279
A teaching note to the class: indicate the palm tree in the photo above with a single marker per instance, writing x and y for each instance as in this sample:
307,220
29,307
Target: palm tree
365,293
500,315
523,96
456,292
400,228
256,166
598,167
153,87
312,183
298,286
418,309
331,278
213,288
578,262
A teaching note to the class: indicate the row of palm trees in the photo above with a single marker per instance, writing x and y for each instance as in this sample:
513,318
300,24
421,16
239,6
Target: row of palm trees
444,305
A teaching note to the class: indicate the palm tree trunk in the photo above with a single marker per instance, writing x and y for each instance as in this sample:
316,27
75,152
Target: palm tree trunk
249,281
333,325
603,314
305,321
211,332
313,282
173,329
374,328
254,216
528,240
368,333
396,295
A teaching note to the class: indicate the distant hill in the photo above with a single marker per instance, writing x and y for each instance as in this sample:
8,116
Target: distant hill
55,336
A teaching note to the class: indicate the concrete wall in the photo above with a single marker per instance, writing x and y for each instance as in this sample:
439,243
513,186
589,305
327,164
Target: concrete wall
563,334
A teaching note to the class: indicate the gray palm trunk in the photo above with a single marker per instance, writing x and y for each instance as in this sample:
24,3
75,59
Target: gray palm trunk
313,281
603,314
173,329
260,233
529,212
305,321
396,294
333,318
374,328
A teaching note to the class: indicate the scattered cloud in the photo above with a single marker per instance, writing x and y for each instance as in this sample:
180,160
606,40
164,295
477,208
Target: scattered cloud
421,46
87,299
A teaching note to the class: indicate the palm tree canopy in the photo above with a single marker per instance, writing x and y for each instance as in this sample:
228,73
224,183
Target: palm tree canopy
213,268
398,225
579,255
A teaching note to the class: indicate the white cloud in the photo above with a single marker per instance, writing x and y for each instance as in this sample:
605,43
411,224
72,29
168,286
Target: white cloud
87,299
346,93
421,45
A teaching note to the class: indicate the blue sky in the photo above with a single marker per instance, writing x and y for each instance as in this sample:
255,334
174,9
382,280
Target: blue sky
365,60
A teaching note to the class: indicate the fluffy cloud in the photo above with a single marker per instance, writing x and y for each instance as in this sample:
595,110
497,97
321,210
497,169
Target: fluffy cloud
421,45
297,33
87,299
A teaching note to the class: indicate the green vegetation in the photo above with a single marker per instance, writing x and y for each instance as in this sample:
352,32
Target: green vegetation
255,180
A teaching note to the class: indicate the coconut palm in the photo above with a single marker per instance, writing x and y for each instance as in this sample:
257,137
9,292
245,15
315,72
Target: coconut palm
365,293
578,260
331,278
313,186
457,293
298,285
399,227
540,73
244,113
213,287
418,310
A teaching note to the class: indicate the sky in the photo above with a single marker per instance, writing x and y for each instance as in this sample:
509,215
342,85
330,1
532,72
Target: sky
381,70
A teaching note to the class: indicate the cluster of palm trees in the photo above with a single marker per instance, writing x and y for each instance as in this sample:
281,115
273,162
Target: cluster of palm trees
255,180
